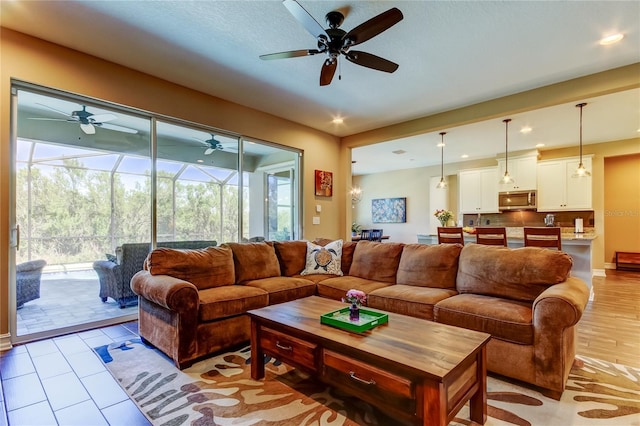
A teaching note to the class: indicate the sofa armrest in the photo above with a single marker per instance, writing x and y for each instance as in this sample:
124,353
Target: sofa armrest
169,292
555,313
561,305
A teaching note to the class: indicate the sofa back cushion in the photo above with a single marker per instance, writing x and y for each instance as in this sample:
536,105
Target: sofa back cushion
254,261
433,266
291,256
517,274
205,268
376,261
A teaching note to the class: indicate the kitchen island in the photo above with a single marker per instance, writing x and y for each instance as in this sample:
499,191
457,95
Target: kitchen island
578,246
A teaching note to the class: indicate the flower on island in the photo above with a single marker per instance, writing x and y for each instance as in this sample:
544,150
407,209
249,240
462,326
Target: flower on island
443,216
355,297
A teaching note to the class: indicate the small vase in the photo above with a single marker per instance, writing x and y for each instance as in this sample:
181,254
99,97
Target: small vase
354,312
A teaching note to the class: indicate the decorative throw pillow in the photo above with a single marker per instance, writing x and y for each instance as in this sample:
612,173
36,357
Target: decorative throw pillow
112,258
323,259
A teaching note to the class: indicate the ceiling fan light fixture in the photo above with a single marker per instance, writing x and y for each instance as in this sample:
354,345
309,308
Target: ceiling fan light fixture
581,171
443,183
506,178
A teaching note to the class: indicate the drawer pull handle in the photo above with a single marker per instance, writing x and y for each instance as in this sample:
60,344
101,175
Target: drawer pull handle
284,348
352,374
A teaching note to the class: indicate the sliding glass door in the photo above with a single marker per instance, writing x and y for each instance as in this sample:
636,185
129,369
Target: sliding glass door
97,186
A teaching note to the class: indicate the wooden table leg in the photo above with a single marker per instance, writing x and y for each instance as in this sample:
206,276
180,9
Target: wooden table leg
257,356
478,402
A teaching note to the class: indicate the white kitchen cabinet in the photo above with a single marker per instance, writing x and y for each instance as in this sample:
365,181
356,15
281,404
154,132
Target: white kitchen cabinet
478,189
559,189
523,170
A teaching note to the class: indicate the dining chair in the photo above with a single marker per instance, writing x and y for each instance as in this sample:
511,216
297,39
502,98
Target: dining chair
543,237
376,235
450,235
365,234
491,235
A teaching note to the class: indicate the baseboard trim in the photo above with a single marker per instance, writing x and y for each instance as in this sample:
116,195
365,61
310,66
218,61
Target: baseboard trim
599,273
609,265
5,342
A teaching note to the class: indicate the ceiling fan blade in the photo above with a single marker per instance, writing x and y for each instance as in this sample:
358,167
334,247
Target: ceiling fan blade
54,109
289,54
117,128
327,72
88,129
373,27
208,151
307,21
371,61
101,118
51,119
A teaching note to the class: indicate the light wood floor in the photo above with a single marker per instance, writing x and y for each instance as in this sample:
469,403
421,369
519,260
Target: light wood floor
610,326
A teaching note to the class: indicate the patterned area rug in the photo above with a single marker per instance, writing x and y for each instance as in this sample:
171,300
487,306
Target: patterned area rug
220,391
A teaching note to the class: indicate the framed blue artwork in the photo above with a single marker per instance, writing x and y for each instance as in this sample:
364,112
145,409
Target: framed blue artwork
389,210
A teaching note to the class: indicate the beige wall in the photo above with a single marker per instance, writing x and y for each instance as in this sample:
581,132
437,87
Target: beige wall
35,61
621,205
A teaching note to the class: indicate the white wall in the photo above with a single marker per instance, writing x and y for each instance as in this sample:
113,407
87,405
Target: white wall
410,183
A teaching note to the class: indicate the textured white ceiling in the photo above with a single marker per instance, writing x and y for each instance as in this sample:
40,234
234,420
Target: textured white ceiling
451,53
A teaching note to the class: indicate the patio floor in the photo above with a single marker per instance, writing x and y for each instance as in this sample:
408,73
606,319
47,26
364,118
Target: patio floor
67,299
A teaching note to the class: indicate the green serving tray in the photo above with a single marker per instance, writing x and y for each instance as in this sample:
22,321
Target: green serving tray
368,319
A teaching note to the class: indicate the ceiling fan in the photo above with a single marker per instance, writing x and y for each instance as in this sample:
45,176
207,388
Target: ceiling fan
87,120
335,42
212,144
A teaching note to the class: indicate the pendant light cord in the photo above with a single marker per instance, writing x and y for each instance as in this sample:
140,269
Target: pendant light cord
581,106
506,145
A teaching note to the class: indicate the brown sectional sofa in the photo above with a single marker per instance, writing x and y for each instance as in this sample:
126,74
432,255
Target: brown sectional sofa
194,302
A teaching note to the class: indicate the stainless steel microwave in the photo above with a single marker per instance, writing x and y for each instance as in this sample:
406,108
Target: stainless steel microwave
517,200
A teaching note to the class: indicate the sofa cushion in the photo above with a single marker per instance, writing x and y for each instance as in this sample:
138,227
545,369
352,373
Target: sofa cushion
376,261
254,261
518,274
336,288
323,259
284,289
409,300
227,301
204,268
291,256
429,265
505,319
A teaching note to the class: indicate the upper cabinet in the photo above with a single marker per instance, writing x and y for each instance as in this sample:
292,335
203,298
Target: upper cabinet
558,187
478,189
523,170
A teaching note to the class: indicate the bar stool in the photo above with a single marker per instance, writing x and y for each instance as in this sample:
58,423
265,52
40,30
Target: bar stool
450,235
542,237
491,235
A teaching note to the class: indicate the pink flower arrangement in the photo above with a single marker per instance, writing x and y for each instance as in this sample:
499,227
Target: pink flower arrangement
355,297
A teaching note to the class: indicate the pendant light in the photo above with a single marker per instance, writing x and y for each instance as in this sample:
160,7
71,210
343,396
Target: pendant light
443,183
581,171
506,178
356,191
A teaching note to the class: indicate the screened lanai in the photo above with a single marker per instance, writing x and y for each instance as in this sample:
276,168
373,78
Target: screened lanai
91,177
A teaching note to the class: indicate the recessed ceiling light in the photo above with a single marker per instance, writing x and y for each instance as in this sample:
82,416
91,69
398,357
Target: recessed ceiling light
200,161
338,120
611,39
526,129
464,156
539,145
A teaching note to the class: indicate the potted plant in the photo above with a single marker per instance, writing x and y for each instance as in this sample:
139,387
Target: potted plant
355,229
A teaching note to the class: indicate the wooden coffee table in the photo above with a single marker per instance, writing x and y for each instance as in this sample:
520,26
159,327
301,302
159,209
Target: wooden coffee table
417,370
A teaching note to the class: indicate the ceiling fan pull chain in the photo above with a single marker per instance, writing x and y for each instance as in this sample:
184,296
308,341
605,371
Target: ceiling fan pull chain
339,70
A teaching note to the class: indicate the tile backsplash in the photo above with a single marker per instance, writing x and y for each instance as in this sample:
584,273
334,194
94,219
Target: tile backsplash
529,218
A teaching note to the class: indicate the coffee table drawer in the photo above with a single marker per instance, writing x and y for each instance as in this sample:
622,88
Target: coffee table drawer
367,381
289,349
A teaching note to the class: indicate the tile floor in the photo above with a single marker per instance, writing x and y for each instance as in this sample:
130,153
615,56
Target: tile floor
61,381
